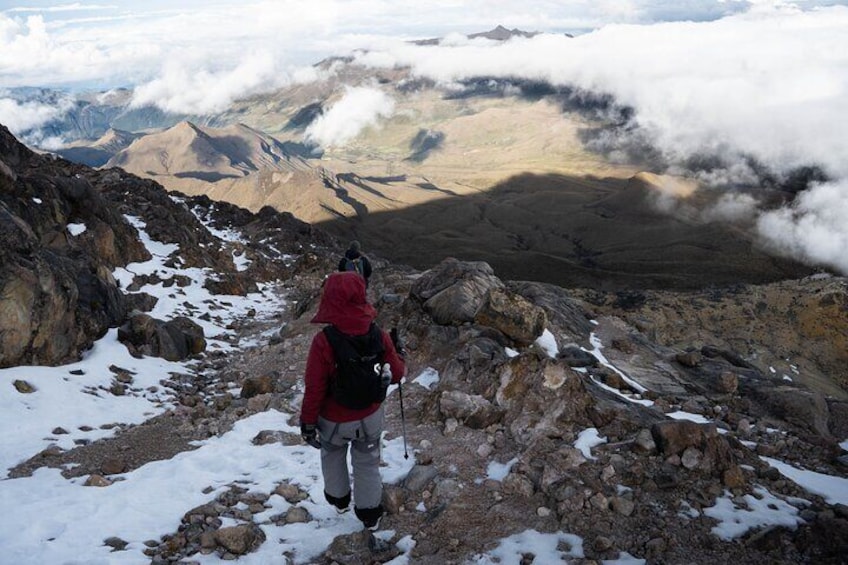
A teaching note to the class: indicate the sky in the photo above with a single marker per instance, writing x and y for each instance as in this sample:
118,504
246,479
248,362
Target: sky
46,518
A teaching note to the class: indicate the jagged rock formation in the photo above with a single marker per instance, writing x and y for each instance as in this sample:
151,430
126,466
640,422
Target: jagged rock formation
64,230
58,294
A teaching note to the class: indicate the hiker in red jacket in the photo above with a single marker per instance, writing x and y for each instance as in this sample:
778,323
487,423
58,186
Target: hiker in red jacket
329,419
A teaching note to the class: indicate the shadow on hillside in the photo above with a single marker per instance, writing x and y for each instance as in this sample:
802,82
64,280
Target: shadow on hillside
572,232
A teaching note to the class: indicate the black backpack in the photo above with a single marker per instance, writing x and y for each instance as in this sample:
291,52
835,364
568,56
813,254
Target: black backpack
354,265
358,383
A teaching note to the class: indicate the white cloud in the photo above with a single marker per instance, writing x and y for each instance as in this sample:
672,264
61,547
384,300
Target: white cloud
75,7
197,91
359,108
731,207
814,228
20,117
773,84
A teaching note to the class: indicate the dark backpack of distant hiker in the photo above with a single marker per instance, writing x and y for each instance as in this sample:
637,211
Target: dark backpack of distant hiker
358,382
354,265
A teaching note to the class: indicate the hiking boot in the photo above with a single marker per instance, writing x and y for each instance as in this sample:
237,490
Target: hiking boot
370,517
341,503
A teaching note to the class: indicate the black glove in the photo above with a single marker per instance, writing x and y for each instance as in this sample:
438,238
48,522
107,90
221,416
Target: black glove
309,433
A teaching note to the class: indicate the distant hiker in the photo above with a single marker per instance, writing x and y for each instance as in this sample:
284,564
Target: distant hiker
349,367
354,260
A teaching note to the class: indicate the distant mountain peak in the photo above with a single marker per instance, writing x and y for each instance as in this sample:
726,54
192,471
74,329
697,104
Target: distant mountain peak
498,33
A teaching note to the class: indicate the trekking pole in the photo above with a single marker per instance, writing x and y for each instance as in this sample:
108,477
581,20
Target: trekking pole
402,420
399,348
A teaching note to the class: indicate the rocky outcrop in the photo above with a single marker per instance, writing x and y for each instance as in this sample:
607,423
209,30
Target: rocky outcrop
64,228
453,291
512,315
59,240
173,340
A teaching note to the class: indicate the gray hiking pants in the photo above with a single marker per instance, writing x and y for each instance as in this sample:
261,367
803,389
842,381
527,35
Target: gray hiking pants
363,437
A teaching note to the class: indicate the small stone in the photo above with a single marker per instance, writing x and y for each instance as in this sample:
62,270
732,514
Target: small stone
207,540
655,547
689,358
424,458
484,450
97,481
254,386
744,426
733,477
290,492
117,544
543,512
622,506
393,499
59,431
23,387
238,540
113,466
601,544
599,501
450,426
446,490
425,444
419,477
727,382
691,458
259,403
644,442
515,483
297,515
607,473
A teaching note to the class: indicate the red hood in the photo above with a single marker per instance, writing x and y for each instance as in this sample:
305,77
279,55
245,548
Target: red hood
343,304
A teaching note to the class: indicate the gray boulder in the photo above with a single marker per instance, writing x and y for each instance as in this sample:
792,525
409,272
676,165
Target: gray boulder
174,340
453,291
474,410
512,315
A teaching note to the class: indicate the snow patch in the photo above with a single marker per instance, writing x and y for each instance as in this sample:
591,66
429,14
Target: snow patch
76,229
548,548
681,415
588,439
427,378
833,489
764,509
548,343
498,471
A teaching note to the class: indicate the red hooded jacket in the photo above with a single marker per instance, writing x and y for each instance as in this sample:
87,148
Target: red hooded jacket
343,305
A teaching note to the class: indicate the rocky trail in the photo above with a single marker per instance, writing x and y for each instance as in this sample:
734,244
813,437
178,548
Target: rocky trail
496,439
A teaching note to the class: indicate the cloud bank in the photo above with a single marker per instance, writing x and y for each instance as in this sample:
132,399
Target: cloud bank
814,228
359,108
20,117
180,90
766,88
770,83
